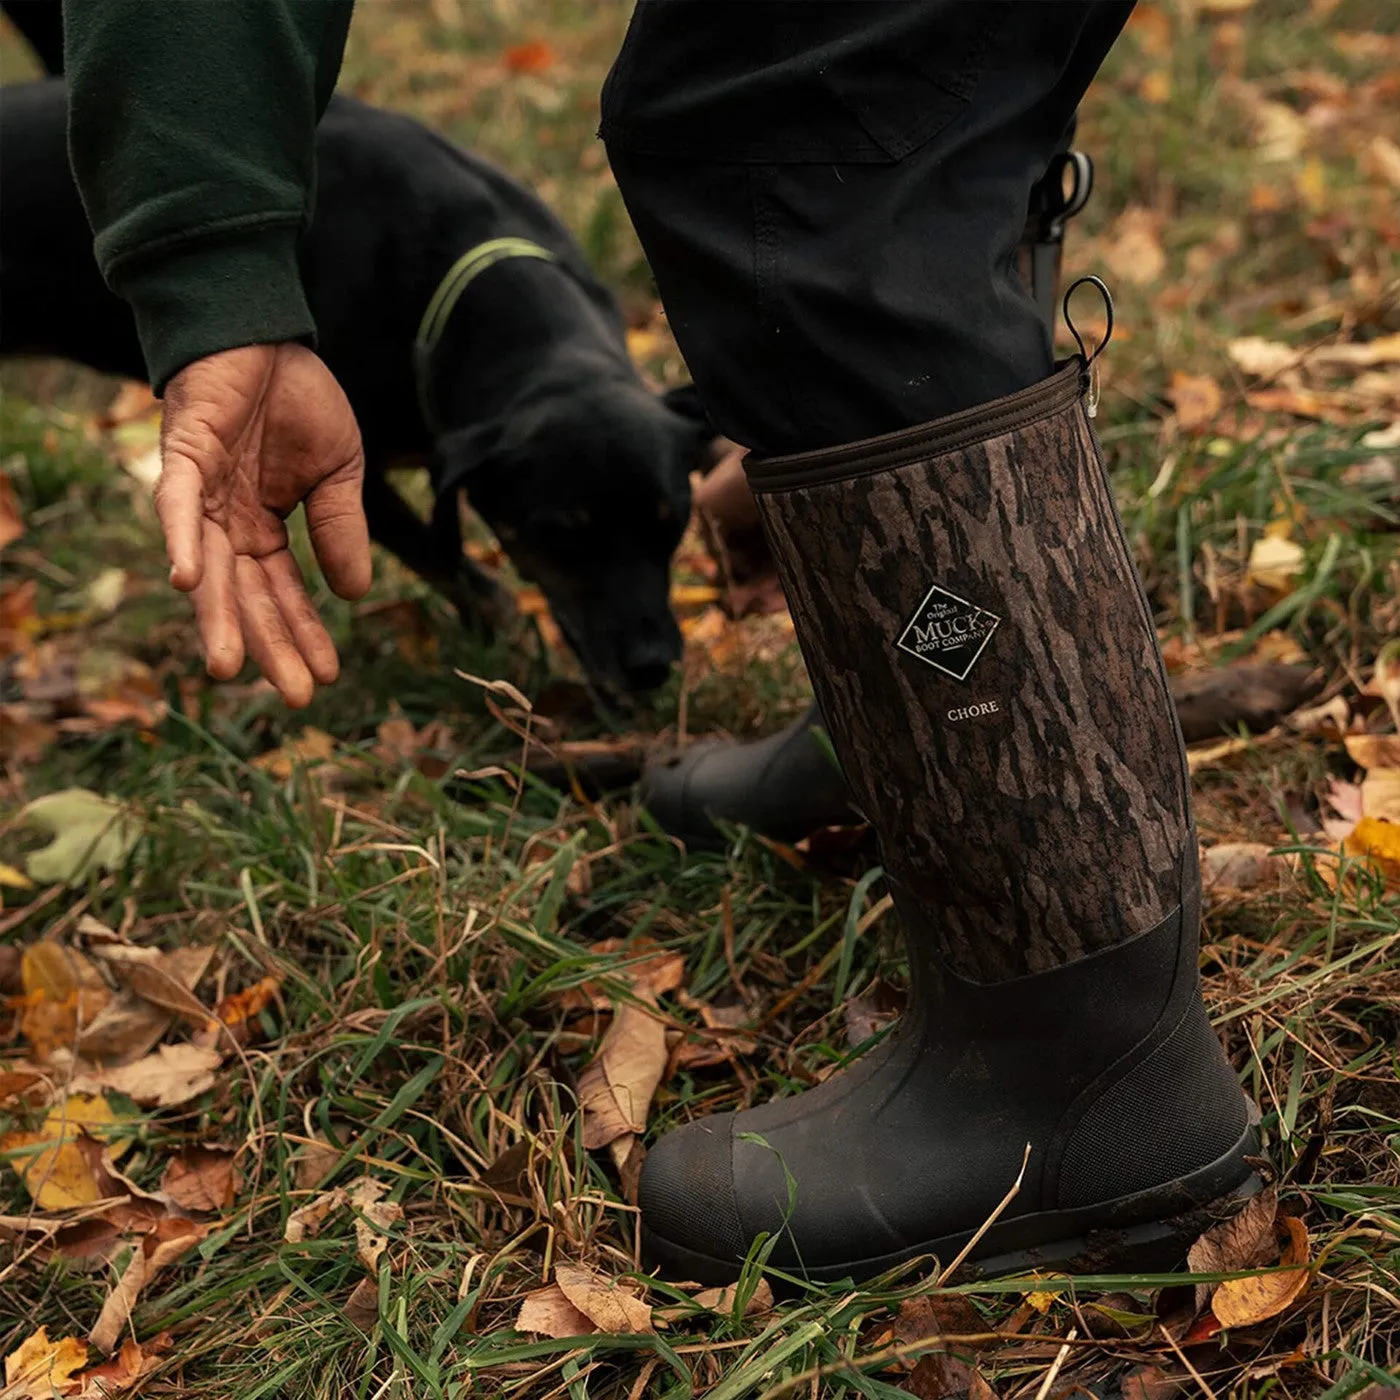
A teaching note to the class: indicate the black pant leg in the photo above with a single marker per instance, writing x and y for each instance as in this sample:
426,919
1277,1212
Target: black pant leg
830,195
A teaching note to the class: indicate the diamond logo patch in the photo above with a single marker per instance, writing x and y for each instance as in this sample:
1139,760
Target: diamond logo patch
948,632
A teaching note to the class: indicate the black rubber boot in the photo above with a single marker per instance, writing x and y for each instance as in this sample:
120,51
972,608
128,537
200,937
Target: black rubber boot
982,651
785,786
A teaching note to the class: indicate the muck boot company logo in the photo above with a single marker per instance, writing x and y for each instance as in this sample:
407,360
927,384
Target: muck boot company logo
948,632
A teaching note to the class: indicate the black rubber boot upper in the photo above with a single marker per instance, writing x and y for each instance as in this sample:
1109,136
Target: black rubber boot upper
784,786
979,643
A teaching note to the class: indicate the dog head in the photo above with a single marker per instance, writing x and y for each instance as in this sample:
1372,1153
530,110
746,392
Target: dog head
589,494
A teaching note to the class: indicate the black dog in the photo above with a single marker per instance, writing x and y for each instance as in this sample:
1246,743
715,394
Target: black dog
463,322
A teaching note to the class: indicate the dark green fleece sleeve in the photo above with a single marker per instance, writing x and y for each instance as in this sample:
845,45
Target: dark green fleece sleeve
191,128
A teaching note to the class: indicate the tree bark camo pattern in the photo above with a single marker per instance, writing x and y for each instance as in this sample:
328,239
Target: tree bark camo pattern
1055,826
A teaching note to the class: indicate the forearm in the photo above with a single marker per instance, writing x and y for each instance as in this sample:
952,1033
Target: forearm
192,129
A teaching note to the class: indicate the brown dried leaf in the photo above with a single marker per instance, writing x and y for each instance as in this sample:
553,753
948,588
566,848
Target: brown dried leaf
550,1313
1245,1241
312,746
116,1311
200,1177
305,1222
616,1088
1374,750
1380,794
175,1074
722,1300
1134,251
603,1301
1197,398
11,517
362,1306
1239,865
1242,1302
133,1361
172,1236
373,1217
314,1162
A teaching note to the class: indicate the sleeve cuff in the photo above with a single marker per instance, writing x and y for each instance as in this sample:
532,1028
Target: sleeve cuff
215,293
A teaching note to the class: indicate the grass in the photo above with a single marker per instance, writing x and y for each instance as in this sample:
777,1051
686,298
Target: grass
434,939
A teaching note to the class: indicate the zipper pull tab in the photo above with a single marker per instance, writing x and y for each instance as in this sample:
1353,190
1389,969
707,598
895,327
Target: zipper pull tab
1088,357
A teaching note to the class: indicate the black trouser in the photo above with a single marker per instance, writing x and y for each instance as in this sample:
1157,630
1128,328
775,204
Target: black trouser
830,195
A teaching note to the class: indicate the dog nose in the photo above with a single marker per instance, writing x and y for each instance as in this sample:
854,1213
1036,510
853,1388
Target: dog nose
647,662
646,675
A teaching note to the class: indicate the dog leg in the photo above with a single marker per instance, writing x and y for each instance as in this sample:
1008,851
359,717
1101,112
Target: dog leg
435,554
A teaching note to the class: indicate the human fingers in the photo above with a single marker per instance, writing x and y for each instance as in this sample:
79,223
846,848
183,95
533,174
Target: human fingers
302,620
268,637
216,606
180,508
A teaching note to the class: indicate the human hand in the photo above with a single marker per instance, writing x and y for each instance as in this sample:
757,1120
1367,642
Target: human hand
248,434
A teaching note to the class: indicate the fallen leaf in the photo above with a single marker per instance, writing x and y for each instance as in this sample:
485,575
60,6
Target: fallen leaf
39,1369
200,1177
11,517
939,1376
311,746
63,993
1279,132
23,737
362,1306
603,1301
374,1217
133,1361
1134,251
928,1315
305,1222
1150,1383
533,56
1274,563
1245,1241
1373,750
116,1311
1345,801
314,1162
1383,160
723,1300
1242,1302
52,1163
1197,398
1261,358
1378,843
90,833
615,1089
172,1236
1380,794
1238,865
242,1006
175,1074
548,1312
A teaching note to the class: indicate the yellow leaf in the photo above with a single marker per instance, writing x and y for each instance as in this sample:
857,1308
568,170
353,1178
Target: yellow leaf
40,1369
1311,184
1378,842
602,1300
1242,1302
1156,87
1274,563
11,879
59,1173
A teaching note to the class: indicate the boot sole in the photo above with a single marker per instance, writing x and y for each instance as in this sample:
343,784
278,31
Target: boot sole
1147,1232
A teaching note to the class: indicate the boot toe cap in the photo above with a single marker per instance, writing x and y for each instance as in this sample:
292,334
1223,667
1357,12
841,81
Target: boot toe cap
668,791
690,1219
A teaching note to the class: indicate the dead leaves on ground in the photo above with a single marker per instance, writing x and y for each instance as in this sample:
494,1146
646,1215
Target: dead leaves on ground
582,1301
1250,1240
